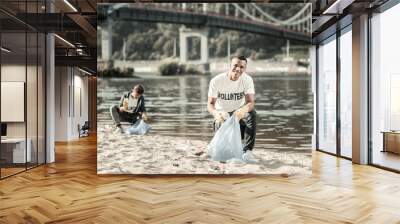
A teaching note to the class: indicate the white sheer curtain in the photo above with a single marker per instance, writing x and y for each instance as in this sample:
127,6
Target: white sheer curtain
346,93
327,96
385,76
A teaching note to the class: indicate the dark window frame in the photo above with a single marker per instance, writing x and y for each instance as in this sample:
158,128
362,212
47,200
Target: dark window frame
44,41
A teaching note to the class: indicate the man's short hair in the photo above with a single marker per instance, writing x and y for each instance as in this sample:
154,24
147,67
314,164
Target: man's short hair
140,88
240,57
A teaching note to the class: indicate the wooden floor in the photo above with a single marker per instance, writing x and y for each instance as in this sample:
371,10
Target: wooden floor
387,159
10,171
69,191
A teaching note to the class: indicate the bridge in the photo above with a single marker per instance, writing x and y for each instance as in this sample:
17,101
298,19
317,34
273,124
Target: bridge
197,17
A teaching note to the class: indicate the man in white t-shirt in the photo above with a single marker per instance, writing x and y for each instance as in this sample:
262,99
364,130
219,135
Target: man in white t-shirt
232,93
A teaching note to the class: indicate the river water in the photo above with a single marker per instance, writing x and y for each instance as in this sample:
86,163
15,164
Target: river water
177,106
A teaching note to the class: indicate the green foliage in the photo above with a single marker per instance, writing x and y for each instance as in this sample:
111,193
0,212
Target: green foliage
194,48
261,55
117,73
144,41
156,41
168,68
192,71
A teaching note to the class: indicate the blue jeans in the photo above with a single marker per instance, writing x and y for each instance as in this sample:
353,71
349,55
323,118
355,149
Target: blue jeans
119,116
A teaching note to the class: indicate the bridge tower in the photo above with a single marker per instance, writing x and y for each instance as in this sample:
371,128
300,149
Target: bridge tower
106,42
184,34
286,51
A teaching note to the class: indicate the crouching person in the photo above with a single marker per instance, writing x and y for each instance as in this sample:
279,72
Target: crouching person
131,107
232,93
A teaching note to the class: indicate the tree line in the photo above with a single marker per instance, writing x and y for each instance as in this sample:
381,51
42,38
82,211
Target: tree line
156,41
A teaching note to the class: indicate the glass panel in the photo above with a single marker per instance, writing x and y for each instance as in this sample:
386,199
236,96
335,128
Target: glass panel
22,67
31,97
13,86
346,94
31,85
386,89
41,99
327,97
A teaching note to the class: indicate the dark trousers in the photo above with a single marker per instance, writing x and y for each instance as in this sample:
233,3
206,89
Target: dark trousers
119,116
247,129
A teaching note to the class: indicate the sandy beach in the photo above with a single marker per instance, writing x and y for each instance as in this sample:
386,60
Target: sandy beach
155,154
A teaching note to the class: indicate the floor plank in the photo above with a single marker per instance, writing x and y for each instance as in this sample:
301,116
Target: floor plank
70,191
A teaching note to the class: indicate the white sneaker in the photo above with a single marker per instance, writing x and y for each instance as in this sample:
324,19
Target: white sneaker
118,130
249,157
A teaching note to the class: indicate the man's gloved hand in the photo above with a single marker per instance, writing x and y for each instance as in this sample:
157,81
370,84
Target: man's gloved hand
220,116
145,117
241,112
